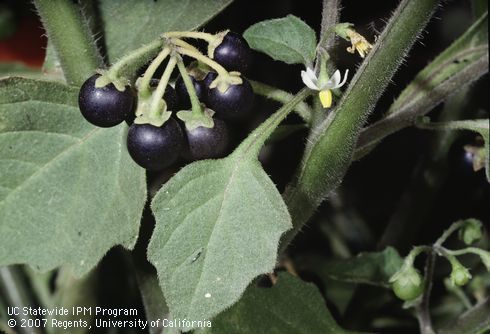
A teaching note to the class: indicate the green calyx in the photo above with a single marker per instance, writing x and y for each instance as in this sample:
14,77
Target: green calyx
407,284
223,82
342,30
194,120
145,112
106,79
471,231
459,274
216,42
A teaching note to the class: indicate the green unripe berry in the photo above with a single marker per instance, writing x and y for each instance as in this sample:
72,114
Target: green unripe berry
408,285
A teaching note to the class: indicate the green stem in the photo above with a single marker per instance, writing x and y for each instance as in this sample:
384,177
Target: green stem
127,66
202,58
162,84
331,144
469,250
71,38
191,90
447,233
144,86
254,142
422,309
276,94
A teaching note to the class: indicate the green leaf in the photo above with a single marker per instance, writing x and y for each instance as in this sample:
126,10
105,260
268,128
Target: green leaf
218,227
218,224
475,321
68,191
290,306
480,126
129,24
374,268
287,39
465,50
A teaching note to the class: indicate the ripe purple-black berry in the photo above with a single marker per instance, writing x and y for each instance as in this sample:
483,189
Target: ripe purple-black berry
155,148
105,106
233,53
208,143
235,104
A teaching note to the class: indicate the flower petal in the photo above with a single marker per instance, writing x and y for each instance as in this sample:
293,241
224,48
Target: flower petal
346,75
310,72
336,77
308,81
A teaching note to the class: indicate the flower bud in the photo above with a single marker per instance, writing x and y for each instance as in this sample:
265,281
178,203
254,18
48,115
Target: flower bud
471,231
459,274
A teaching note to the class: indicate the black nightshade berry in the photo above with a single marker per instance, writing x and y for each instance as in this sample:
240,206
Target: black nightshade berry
233,53
208,143
235,104
105,106
155,148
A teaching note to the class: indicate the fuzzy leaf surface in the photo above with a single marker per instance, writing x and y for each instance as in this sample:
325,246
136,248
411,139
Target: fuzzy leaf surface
218,224
68,191
287,39
129,24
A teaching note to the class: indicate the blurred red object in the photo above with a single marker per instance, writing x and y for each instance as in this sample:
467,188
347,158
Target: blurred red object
27,45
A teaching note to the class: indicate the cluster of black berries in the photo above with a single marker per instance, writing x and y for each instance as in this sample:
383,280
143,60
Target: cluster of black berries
156,148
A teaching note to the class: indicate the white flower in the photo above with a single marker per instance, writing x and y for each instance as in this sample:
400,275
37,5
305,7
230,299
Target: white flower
311,81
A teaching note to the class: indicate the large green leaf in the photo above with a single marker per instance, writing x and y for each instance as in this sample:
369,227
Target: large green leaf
290,306
68,191
129,24
287,39
369,268
218,224
218,227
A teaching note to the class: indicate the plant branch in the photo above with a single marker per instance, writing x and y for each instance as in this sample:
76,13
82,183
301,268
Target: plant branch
330,17
409,112
71,38
422,309
332,143
278,95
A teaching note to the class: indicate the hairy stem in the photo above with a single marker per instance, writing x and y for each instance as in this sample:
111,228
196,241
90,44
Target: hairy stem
127,66
71,38
332,143
422,309
276,94
144,86
191,90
